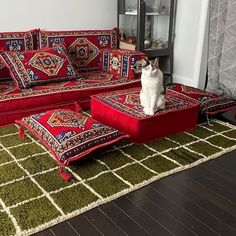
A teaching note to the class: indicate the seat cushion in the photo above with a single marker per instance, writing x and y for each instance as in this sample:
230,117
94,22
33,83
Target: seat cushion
31,68
16,103
70,135
122,110
209,103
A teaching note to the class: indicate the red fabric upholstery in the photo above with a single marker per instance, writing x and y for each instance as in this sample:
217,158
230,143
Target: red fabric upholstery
16,103
119,62
70,135
30,68
83,46
122,110
209,103
15,41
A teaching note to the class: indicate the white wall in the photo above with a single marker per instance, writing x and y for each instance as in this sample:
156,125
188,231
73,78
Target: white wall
190,42
57,14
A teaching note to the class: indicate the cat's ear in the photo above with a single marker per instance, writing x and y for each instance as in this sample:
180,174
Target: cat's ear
144,62
156,62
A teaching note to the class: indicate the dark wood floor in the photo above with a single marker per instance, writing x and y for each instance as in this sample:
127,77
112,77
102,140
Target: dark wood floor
198,201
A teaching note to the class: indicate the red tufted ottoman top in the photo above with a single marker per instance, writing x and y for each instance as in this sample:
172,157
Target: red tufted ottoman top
122,110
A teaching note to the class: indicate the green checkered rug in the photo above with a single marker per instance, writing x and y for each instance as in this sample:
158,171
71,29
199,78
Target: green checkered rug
33,196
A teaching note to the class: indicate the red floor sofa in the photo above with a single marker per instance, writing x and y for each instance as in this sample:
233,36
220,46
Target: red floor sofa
90,52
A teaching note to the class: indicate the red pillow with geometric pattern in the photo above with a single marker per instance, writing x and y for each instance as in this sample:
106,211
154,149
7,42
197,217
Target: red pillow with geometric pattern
16,41
31,68
70,135
119,62
83,45
209,103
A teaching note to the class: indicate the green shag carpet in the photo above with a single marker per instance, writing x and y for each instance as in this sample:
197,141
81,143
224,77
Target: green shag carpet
33,196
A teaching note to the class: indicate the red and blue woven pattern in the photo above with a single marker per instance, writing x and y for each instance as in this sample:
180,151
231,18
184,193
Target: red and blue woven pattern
30,68
119,62
70,135
83,46
209,103
15,41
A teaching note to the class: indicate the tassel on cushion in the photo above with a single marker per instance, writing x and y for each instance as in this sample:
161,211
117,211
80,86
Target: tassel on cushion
21,132
77,107
64,175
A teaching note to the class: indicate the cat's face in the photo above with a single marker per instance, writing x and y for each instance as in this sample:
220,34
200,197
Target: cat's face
150,67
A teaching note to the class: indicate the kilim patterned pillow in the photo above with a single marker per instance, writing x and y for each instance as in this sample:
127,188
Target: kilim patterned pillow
119,62
15,41
83,46
210,103
30,68
70,135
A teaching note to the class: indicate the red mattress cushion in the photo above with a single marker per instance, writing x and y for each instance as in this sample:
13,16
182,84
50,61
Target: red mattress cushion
15,41
31,68
122,110
209,103
16,103
70,135
83,46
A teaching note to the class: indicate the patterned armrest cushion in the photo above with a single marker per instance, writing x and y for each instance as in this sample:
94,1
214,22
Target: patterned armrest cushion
120,62
15,41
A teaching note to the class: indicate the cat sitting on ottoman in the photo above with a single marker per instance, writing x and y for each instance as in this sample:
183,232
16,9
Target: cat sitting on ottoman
152,95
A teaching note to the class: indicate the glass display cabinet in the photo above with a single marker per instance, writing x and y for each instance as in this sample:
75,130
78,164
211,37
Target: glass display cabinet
148,26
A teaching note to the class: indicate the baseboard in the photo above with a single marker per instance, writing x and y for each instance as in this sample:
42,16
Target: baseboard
185,80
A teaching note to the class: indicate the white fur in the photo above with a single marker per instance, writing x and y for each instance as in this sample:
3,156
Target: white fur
152,86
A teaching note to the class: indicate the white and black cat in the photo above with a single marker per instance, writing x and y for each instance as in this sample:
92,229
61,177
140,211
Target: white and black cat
152,95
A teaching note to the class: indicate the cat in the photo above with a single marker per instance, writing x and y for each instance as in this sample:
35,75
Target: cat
152,94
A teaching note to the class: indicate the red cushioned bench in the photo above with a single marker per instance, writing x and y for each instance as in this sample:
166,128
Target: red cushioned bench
122,110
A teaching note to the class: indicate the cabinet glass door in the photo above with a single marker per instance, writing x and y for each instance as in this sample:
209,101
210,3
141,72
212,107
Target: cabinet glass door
157,16
128,13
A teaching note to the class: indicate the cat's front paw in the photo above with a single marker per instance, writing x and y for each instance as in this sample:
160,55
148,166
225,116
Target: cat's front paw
145,110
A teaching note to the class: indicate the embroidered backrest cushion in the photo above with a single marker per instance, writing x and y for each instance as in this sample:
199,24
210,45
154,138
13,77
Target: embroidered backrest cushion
70,135
83,46
119,62
15,41
31,68
210,103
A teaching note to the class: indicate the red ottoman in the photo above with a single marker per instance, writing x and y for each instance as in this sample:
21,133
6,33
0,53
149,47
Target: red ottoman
122,110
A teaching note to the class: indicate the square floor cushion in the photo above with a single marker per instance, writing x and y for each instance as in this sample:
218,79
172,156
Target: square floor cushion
209,103
122,110
69,135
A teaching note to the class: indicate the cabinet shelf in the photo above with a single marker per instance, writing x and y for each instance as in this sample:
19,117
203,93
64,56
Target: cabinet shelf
147,14
149,24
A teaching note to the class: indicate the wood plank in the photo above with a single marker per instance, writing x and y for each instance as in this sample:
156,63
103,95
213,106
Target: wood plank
46,232
184,185
143,219
83,226
179,213
180,199
164,218
63,229
122,219
105,225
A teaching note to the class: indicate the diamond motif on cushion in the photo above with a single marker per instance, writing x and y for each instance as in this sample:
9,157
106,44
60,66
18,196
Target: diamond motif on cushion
61,118
83,51
46,62
132,99
192,90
